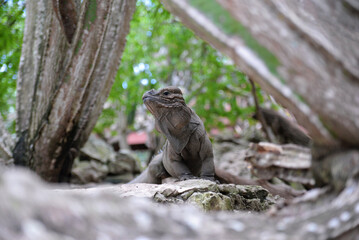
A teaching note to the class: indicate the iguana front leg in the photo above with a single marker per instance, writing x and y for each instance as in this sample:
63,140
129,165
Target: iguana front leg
207,171
206,153
176,166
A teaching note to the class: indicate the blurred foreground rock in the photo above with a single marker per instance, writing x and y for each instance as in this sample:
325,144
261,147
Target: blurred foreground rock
98,162
30,209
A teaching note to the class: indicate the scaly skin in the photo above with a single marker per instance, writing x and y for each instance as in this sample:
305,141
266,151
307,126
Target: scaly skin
188,151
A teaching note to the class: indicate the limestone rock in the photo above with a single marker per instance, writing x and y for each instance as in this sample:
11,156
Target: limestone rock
99,162
211,201
96,148
230,156
88,171
288,162
124,162
204,194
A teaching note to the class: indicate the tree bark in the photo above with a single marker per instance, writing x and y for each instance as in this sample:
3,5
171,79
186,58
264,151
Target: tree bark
69,59
6,145
108,211
304,53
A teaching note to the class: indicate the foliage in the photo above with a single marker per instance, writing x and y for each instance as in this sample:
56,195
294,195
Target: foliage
227,23
160,51
11,32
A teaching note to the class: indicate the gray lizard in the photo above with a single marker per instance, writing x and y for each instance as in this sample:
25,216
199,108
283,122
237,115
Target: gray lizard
188,151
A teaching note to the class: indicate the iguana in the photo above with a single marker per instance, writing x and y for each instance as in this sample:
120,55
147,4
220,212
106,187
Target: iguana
187,152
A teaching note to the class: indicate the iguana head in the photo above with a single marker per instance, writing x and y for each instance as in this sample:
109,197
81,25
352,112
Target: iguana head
160,102
172,115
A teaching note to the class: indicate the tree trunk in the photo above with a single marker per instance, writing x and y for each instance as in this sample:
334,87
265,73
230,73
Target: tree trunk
30,210
304,53
70,55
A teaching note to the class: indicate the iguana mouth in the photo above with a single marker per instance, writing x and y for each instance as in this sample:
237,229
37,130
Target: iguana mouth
147,99
148,106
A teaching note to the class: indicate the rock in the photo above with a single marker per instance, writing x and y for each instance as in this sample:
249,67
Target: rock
204,194
98,149
88,171
125,162
264,147
230,156
253,134
98,162
288,162
210,201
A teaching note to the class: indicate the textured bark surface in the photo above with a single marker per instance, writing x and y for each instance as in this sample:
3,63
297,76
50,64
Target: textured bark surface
30,209
304,53
6,145
69,60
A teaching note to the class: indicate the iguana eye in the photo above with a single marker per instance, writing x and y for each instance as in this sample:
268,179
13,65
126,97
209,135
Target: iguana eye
166,93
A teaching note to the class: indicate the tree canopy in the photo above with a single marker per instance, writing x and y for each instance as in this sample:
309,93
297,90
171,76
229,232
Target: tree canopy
160,51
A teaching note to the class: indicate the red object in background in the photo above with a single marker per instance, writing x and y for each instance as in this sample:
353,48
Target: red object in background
137,138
